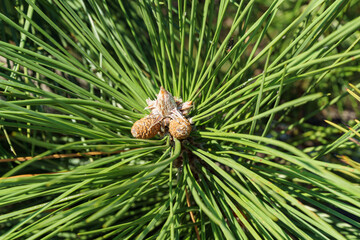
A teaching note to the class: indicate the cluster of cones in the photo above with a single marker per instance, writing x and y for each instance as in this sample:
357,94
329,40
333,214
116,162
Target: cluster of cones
167,114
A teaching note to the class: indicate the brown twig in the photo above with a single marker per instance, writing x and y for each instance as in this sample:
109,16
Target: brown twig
191,214
59,156
28,175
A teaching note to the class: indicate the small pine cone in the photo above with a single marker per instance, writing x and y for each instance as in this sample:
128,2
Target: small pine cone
180,128
145,128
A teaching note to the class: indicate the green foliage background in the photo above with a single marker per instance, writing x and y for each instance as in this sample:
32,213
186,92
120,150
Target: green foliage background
260,164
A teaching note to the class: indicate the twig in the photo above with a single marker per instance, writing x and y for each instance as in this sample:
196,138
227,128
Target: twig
28,175
191,214
59,156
